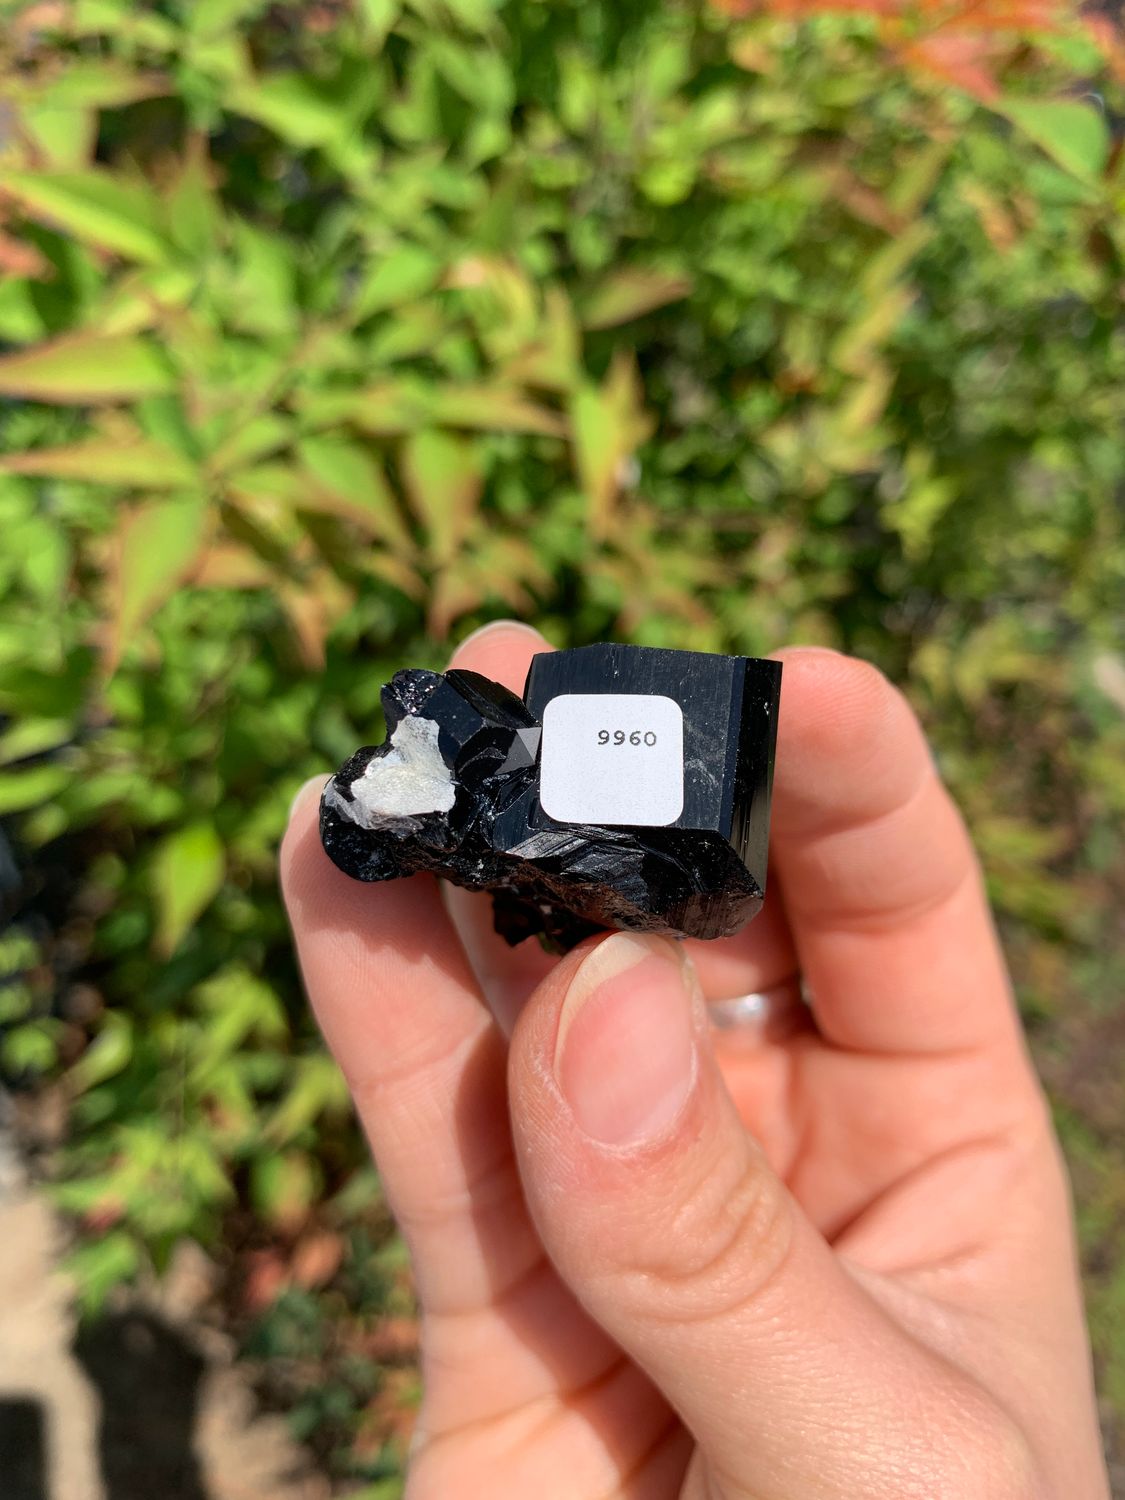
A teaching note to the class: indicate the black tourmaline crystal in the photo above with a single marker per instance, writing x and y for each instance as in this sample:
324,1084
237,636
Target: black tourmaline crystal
630,787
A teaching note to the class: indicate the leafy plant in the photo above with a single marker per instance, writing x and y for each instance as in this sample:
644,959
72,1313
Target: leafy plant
328,331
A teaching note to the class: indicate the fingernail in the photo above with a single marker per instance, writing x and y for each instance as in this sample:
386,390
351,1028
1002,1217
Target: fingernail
625,1058
317,781
490,626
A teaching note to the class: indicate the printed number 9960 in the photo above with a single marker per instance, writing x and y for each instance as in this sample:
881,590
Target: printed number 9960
619,737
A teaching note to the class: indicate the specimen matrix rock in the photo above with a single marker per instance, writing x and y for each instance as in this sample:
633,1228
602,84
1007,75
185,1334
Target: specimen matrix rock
629,787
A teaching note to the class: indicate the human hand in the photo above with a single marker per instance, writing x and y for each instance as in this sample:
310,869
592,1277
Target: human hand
654,1263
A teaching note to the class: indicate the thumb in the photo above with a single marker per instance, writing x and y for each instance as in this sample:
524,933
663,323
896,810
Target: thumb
672,1230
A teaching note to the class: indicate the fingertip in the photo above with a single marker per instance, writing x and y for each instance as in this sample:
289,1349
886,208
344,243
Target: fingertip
309,879
501,650
848,740
304,792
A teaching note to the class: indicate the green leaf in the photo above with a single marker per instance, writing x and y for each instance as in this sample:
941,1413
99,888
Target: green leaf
217,18
385,410
1073,133
406,272
157,544
87,369
104,84
294,108
187,872
631,293
444,481
29,737
284,1187
235,1005
485,408
97,1266
108,1054
61,139
345,478
142,462
608,424
252,440
318,1088
20,790
93,207
30,1048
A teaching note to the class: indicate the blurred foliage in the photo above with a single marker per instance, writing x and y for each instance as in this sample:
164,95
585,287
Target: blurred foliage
330,330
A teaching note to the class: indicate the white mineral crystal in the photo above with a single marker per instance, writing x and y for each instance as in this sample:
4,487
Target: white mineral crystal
410,780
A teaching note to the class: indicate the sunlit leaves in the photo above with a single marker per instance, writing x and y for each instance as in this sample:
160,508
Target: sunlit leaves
356,331
109,1052
443,480
629,294
187,872
404,273
142,463
1074,133
157,544
23,789
98,1265
343,478
609,424
87,369
391,407
92,206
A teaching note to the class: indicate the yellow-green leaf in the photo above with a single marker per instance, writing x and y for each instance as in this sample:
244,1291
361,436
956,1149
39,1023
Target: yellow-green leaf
1072,132
144,462
20,790
107,1054
157,544
187,873
345,477
385,410
87,369
608,423
251,441
486,408
293,108
443,479
27,737
405,273
284,1187
92,206
631,293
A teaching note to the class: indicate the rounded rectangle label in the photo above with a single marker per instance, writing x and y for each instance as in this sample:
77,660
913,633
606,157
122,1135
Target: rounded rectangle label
612,758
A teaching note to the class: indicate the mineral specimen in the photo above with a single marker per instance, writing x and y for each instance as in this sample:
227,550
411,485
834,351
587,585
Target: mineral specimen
630,787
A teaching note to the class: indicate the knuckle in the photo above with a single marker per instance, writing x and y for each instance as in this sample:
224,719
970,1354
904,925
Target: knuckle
721,1248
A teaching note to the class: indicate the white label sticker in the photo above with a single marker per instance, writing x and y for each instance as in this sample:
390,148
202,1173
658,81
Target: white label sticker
612,758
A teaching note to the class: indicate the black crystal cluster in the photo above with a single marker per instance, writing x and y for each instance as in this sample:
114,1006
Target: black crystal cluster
656,767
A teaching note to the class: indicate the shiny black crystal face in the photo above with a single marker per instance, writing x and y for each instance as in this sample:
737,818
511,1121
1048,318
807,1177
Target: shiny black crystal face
459,783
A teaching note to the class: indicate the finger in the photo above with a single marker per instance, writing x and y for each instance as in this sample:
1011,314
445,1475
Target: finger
401,1011
758,957
666,1221
882,888
501,651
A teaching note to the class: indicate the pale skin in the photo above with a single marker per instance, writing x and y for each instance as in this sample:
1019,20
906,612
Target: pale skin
837,1264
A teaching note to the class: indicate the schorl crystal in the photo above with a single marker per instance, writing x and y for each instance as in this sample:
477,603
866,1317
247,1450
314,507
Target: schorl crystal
655,765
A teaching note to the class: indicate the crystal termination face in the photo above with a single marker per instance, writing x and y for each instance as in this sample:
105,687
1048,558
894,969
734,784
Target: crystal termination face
455,789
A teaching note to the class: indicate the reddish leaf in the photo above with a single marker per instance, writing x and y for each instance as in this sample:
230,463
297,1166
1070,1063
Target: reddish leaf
157,546
141,463
629,294
87,369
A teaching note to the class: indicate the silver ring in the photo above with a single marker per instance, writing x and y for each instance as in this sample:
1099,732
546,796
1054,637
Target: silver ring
762,1015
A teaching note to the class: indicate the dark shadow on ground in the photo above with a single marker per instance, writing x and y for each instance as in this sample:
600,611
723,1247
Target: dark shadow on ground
147,1377
23,1449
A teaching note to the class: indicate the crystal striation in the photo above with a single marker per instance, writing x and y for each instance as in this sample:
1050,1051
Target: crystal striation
656,767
